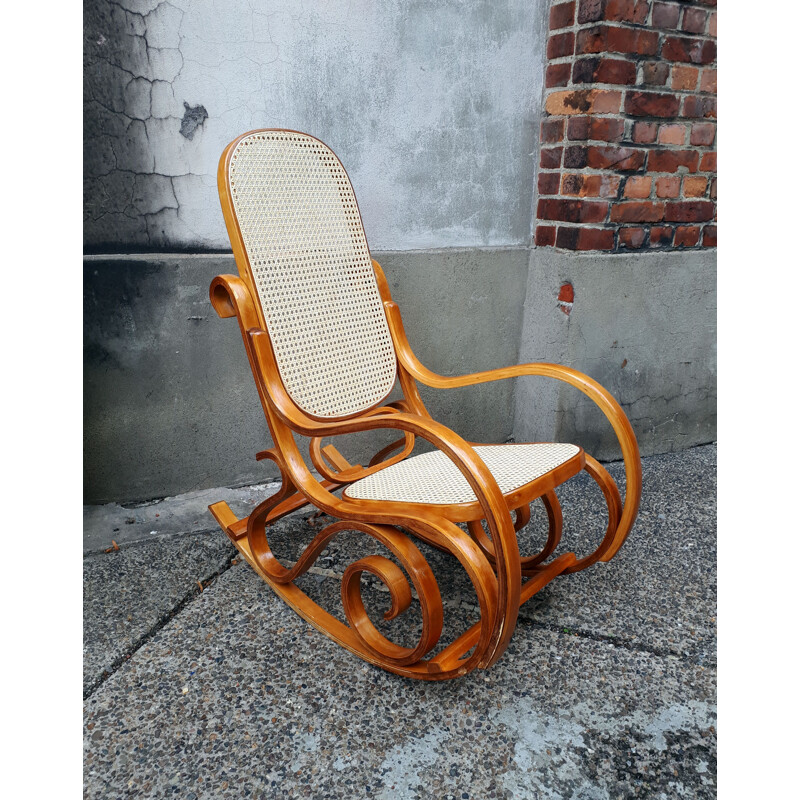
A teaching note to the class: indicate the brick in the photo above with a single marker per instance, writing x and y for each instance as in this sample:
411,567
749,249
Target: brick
584,70
575,157
672,160
638,186
603,128
694,186
684,77
668,186
708,81
703,134
644,132
608,130
577,185
572,184
637,212
660,236
560,45
583,101
619,158
551,157
557,75
693,51
604,70
606,39
562,15
687,235
632,237
651,104
591,10
710,236
566,294
708,163
627,11
545,235
665,15
585,238
572,210
655,73
694,20
552,130
708,2
699,106
712,192
578,128
712,24
614,10
548,182
689,211
672,134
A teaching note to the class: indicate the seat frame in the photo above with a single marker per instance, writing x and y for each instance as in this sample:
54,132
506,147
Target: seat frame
501,577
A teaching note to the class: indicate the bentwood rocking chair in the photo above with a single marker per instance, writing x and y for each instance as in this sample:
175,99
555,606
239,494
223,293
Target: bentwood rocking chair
326,345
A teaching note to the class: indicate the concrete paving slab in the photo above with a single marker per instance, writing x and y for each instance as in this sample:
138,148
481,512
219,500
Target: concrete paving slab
607,689
238,697
127,593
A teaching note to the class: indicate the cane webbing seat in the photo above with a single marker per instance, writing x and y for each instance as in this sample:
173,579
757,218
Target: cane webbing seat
309,259
432,478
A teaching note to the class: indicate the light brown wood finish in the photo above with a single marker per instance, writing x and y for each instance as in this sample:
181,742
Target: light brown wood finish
492,561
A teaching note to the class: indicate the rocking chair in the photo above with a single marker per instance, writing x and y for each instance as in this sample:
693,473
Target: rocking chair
326,346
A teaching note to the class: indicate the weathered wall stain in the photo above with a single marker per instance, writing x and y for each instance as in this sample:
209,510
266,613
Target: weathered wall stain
193,117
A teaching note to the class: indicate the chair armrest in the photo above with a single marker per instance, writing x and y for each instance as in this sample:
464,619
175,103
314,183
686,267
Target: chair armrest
590,387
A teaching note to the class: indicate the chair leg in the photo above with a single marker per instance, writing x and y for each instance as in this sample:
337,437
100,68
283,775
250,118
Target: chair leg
614,503
522,516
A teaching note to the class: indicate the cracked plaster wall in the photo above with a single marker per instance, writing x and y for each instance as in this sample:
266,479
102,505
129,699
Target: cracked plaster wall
432,107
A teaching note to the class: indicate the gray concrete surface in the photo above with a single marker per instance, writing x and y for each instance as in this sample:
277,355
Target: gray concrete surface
433,108
644,326
608,689
137,523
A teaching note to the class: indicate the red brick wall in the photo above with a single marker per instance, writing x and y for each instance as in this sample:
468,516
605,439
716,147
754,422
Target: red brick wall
628,142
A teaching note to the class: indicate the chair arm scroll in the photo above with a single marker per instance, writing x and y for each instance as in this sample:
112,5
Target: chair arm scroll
231,298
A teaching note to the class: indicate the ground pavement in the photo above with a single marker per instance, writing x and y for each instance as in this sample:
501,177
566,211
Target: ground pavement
200,683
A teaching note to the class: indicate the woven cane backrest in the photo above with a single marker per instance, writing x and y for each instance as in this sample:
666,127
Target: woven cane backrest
311,266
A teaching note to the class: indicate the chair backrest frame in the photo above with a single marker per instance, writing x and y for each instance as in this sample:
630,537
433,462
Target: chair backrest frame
323,384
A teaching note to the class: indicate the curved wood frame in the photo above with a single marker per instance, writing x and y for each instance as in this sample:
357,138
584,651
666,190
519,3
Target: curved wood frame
492,562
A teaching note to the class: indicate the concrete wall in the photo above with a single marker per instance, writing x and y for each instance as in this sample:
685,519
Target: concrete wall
434,109
644,326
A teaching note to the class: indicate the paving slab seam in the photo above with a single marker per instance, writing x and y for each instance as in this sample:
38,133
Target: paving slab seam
161,537
193,593
616,641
